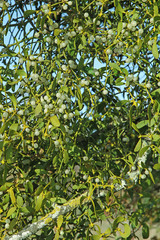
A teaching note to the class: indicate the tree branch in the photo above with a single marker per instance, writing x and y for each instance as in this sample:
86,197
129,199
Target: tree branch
58,210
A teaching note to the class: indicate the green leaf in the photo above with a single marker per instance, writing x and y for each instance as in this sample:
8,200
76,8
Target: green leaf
65,156
157,20
83,40
81,63
43,20
157,91
65,89
138,145
115,66
54,120
91,189
130,114
108,231
58,76
11,211
141,124
127,231
156,137
14,100
2,129
96,237
12,196
145,231
38,203
151,176
21,72
135,127
79,96
38,22
155,50
28,13
30,186
38,109
130,159
56,32
12,224
77,113
115,3
119,29
59,200
157,166
39,190
59,221
143,150
6,186
155,9
24,210
14,127
149,113
119,82
9,153
118,220
19,201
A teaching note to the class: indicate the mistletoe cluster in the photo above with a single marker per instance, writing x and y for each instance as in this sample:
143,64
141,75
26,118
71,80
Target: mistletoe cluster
79,113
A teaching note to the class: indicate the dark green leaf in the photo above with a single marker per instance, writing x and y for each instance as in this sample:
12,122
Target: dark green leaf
28,13
145,231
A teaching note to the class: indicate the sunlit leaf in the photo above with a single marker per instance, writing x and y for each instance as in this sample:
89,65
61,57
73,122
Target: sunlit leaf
38,109
127,231
54,120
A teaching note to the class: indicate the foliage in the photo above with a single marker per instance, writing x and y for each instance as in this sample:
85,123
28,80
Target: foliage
79,107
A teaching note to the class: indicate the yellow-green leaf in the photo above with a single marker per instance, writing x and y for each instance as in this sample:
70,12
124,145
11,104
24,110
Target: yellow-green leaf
65,156
12,196
21,72
96,237
108,231
135,127
14,101
115,66
14,127
38,109
120,24
157,166
11,210
19,201
155,50
138,145
127,231
54,120
143,150
117,221
39,201
151,176
59,221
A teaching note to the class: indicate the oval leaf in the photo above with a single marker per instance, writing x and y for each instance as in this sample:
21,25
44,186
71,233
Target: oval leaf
54,120
157,166
38,109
